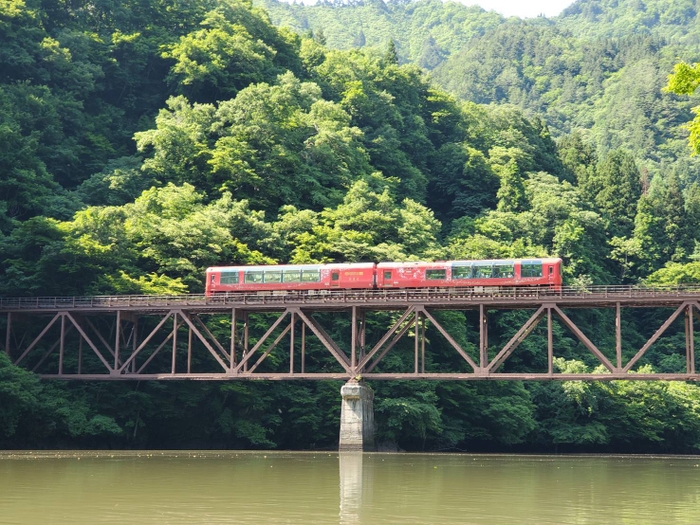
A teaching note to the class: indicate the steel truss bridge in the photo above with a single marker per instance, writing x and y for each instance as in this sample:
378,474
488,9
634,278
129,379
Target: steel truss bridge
232,337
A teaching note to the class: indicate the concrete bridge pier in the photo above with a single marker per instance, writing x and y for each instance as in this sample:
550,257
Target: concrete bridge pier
356,417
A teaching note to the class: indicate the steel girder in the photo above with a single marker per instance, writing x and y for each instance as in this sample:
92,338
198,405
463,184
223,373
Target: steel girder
237,343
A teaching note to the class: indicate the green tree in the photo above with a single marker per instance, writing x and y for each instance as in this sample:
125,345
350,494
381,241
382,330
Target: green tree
615,188
684,80
391,56
219,60
463,183
511,193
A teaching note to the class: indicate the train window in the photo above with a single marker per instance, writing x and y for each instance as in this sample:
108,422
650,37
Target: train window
387,276
551,270
310,276
213,278
483,271
504,270
229,278
462,272
335,276
254,276
292,276
531,269
434,275
274,276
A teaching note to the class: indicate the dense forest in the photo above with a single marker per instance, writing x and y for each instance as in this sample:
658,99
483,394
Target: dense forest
144,141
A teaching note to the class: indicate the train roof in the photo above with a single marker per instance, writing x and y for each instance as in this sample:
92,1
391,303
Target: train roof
420,264
259,268
369,265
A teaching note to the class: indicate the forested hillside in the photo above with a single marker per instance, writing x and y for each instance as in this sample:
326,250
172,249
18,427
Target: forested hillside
426,32
145,141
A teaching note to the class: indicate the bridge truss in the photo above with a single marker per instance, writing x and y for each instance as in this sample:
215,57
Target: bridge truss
283,337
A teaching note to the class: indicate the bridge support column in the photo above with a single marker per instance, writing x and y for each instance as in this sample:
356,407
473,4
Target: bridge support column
356,417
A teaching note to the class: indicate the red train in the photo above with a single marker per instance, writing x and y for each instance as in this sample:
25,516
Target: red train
387,275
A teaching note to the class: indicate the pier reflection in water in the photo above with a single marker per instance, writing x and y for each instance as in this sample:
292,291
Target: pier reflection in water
352,487
326,488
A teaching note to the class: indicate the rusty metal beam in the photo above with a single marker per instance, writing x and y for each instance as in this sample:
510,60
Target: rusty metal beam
233,339
654,337
38,338
303,348
422,327
483,337
207,332
518,338
550,343
618,337
86,320
385,338
689,341
173,357
204,341
353,340
450,340
189,351
397,337
117,338
89,341
325,339
243,364
416,342
7,334
138,348
582,337
62,345
321,376
291,343
99,336
270,348
50,351
246,340
158,349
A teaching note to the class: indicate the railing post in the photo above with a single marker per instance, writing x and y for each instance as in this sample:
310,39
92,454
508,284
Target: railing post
7,333
483,338
550,343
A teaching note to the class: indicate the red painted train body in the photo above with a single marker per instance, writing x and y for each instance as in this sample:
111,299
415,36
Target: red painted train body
387,275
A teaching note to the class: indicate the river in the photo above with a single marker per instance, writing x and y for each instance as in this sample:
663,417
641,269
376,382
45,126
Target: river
97,488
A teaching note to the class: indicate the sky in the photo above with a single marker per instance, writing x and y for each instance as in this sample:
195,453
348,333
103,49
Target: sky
522,8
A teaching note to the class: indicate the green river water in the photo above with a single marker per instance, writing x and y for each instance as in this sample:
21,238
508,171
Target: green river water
195,488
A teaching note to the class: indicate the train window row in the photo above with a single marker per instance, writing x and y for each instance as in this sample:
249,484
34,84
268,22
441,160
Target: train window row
477,270
504,270
531,269
282,276
229,278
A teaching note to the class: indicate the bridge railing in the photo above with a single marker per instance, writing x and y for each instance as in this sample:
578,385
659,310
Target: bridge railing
341,296
99,301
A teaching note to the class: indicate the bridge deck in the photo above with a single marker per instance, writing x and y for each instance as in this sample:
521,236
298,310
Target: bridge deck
453,298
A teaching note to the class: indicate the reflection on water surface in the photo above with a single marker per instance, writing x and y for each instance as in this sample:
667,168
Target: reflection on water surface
346,489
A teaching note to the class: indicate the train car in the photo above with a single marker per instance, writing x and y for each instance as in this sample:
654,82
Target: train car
289,277
491,273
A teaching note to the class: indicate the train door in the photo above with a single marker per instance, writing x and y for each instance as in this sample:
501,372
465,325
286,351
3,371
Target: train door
210,284
555,274
387,278
335,279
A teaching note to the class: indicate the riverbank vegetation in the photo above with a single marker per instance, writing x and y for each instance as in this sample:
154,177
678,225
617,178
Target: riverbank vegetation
144,142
